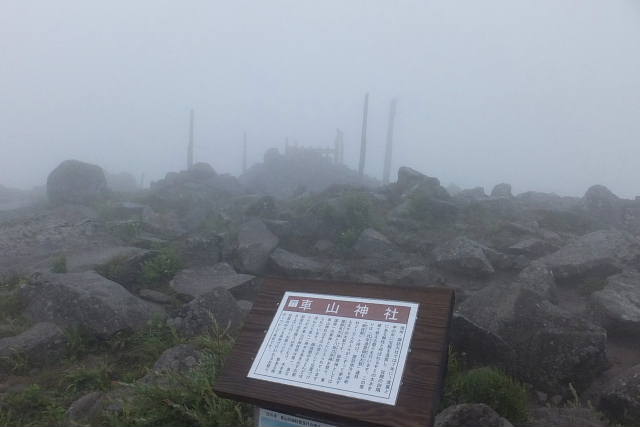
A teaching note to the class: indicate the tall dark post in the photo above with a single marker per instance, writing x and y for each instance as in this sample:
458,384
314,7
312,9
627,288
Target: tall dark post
363,140
389,150
244,152
190,146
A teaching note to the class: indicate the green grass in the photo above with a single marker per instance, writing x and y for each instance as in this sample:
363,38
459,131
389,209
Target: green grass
490,386
162,267
31,407
187,399
59,264
85,379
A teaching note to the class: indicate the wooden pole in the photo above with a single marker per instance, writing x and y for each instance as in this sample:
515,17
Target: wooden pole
363,140
190,146
244,152
388,152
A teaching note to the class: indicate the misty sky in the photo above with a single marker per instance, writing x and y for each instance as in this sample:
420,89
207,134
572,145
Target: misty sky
542,94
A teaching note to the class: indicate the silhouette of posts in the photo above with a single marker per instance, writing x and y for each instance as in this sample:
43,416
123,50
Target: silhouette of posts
190,146
389,149
363,140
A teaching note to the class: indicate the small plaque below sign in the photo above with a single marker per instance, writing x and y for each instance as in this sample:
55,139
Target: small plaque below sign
267,418
355,347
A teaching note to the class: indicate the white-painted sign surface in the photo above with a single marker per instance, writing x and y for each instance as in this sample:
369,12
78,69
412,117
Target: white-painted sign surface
355,347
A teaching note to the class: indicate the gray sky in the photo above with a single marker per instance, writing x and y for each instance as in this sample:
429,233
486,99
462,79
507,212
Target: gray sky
543,94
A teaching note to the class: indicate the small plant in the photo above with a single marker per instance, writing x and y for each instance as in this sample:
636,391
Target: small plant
162,267
79,342
89,379
492,387
59,264
30,407
17,363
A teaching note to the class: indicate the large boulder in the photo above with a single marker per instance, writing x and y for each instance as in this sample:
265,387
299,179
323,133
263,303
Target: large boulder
288,264
373,244
255,244
41,345
530,337
76,182
87,301
538,278
532,248
472,194
463,256
470,415
216,309
414,181
31,241
200,281
602,204
502,190
617,306
620,399
598,254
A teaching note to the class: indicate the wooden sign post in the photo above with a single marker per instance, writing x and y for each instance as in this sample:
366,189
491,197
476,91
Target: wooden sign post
343,354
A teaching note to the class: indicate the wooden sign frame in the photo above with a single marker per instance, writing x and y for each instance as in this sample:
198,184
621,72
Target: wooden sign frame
422,380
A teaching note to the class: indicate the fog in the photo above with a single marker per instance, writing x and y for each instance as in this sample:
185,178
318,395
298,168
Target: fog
544,95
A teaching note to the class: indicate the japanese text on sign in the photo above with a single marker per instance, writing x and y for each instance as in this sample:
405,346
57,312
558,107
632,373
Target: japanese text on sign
355,347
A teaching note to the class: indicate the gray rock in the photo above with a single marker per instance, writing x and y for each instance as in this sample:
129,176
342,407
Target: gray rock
199,316
532,248
412,180
463,256
502,190
538,278
199,281
86,300
530,337
76,182
617,306
85,410
288,264
418,276
197,251
597,254
472,194
176,360
28,243
255,244
470,415
373,244
564,417
620,399
155,296
245,306
323,245
43,344
602,205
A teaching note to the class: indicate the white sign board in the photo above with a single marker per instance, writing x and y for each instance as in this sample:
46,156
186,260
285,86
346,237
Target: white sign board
355,347
267,418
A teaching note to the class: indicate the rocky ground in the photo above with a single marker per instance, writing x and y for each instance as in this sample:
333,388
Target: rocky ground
116,306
